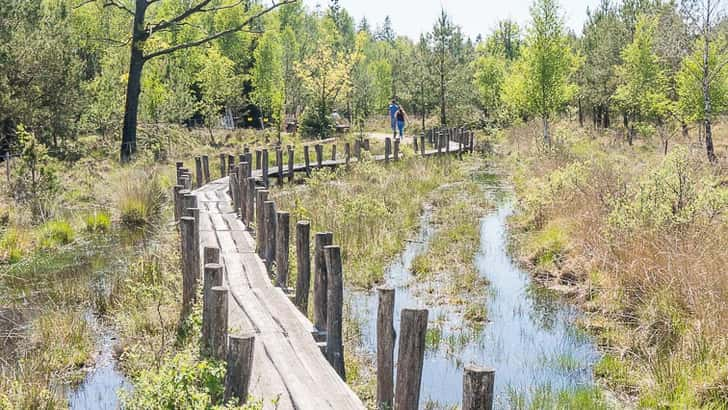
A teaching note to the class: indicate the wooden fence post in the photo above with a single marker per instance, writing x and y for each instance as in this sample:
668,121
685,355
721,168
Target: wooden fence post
412,330
265,167
307,160
243,190
206,168
291,165
321,240
478,388
213,277
367,146
423,148
303,265
260,198
231,162
347,152
189,282
279,163
333,152
218,321
396,149
283,237
335,303
177,202
269,217
198,172
239,368
222,166
357,149
472,142
387,149
258,153
416,145
250,203
7,165
385,348
319,156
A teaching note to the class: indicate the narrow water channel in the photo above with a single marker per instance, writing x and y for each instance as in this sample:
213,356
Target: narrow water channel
530,338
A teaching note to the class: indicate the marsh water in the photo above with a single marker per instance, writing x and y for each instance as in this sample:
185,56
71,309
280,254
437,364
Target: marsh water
530,338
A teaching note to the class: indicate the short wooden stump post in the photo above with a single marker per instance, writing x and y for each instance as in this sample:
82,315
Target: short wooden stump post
279,164
258,154
303,265
269,223
189,249
423,148
334,315
260,198
283,235
478,390
265,168
307,160
396,149
223,169
213,277
387,149
333,152
206,168
250,203
218,322
412,331
385,348
239,368
319,156
321,240
291,165
199,181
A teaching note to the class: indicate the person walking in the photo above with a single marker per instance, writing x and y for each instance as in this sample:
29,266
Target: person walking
393,108
402,120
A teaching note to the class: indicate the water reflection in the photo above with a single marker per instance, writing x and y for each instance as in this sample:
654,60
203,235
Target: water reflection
530,338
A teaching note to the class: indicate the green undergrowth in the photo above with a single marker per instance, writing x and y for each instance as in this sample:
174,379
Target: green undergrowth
549,398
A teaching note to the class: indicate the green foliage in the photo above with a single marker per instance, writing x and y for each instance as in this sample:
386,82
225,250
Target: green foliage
489,74
11,246
35,181
98,222
642,93
56,233
267,76
219,85
690,81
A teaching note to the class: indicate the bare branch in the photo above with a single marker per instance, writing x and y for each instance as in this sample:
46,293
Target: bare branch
200,7
118,5
215,36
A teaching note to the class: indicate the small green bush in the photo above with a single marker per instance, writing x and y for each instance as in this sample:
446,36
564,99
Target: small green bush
56,233
98,222
141,200
10,248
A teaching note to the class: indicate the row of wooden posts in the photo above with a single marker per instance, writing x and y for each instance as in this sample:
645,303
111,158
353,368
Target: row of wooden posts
271,229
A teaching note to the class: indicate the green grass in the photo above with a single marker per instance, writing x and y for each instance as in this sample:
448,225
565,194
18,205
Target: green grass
98,222
56,233
544,397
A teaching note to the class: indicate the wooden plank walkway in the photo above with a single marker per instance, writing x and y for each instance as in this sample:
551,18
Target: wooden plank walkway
288,366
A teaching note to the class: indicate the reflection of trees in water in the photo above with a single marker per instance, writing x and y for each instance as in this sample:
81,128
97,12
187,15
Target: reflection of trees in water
545,307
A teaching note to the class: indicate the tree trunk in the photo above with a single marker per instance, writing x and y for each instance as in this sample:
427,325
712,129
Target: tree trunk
706,88
443,114
606,117
581,115
630,135
546,135
134,84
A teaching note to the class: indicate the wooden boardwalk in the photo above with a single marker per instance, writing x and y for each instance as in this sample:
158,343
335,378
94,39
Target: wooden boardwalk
288,366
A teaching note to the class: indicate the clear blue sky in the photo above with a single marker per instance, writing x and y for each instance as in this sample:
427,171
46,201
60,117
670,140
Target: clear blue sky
412,17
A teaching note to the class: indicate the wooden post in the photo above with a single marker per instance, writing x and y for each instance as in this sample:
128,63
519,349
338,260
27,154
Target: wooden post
250,203
291,164
218,322
198,172
333,152
472,141
283,237
231,162
265,168
249,160
347,152
269,216
335,303
319,156
412,330
279,163
213,277
439,144
385,348
367,145
210,254
239,368
396,149
189,281
447,143
258,153
177,202
222,166
387,149
478,388
307,160
303,265
416,145
357,149
206,168
260,198
321,240
243,190
423,148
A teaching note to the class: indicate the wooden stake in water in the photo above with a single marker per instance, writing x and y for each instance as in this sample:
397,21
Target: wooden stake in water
334,315
321,240
283,232
303,265
385,348
478,385
413,328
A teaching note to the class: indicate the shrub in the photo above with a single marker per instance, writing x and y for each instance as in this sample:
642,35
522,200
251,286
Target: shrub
55,233
34,181
11,249
141,199
98,222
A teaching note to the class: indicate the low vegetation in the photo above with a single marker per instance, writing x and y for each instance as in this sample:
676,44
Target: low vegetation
639,237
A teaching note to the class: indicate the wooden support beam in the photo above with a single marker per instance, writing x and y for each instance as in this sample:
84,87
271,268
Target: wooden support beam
283,237
218,322
239,368
321,240
334,314
303,265
478,392
385,348
412,331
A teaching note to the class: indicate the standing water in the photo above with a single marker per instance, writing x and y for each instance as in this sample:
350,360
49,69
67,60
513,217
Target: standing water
530,339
